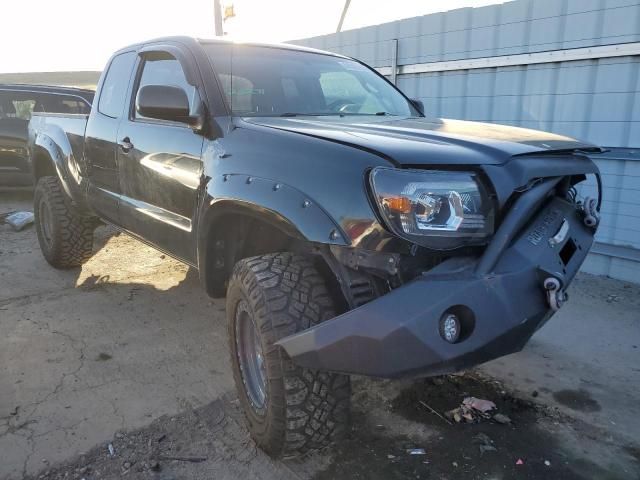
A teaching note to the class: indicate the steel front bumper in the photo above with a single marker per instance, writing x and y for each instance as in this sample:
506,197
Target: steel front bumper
399,334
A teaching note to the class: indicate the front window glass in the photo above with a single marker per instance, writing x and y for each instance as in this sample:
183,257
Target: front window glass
163,69
264,81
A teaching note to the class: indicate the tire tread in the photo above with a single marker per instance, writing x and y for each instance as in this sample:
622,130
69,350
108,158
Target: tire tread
72,244
288,296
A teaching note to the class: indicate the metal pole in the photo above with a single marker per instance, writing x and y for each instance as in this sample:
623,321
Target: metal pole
217,12
344,14
394,60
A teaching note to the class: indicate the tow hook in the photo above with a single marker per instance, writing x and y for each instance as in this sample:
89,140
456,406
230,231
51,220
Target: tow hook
556,296
590,211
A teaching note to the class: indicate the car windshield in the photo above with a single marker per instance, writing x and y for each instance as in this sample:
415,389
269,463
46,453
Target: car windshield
267,81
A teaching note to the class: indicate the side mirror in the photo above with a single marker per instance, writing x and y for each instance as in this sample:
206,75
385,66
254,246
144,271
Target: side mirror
165,103
418,104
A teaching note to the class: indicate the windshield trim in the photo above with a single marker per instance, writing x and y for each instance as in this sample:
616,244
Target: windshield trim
288,47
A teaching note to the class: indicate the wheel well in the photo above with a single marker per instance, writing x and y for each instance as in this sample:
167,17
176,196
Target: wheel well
234,236
42,165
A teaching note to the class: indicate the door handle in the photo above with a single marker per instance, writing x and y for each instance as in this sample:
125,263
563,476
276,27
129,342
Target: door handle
125,144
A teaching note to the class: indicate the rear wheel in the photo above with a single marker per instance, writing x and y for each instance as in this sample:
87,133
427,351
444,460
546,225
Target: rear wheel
65,237
289,410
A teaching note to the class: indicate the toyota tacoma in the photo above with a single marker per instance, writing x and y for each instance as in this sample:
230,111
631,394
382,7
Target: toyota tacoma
350,232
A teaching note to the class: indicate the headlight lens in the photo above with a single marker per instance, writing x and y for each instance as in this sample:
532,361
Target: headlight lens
436,209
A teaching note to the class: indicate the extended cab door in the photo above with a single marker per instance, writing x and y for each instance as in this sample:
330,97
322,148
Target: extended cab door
101,137
160,164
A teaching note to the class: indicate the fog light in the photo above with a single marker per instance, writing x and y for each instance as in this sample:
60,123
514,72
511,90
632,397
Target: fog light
450,327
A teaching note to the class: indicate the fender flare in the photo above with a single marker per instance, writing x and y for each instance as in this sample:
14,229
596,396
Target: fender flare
281,205
60,156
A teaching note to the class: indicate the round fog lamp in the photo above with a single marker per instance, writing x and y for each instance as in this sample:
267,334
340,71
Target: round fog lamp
450,327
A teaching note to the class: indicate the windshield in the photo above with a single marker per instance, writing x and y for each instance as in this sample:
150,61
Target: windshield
265,81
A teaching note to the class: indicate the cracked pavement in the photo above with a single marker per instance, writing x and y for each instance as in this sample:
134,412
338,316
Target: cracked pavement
91,351
131,338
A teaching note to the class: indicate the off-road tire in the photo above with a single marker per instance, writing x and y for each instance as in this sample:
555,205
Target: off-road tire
67,242
305,409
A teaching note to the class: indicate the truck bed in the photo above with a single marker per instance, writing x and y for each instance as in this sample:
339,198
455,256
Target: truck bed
57,126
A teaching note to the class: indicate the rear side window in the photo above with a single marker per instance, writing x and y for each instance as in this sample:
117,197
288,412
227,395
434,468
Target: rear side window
74,105
12,107
114,87
21,104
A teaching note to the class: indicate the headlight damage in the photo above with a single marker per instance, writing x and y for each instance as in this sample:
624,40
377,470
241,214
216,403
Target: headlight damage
435,209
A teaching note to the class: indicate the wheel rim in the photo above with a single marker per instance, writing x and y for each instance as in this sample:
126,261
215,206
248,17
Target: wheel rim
45,222
251,358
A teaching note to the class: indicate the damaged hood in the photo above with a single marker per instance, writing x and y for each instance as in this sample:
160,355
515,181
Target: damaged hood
424,141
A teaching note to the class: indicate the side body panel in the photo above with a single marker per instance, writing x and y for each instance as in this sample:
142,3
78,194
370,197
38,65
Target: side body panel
13,150
160,177
160,174
100,151
103,189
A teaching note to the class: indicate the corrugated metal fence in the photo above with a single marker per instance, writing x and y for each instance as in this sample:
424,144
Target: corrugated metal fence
566,66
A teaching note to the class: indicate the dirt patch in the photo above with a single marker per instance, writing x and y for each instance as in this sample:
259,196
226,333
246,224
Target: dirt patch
203,443
526,448
389,422
577,400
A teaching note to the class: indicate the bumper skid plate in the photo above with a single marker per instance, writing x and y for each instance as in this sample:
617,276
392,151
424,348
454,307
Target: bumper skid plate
400,333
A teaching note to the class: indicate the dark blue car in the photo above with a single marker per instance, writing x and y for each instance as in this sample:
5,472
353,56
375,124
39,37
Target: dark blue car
17,103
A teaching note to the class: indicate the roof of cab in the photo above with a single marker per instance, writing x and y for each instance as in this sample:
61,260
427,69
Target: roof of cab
193,42
27,87
84,93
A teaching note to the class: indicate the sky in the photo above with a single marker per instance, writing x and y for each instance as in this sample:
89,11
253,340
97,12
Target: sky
69,35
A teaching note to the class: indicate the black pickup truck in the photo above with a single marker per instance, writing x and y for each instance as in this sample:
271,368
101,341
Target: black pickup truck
17,103
350,232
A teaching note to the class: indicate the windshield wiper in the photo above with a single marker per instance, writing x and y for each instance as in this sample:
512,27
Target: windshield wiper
303,114
335,114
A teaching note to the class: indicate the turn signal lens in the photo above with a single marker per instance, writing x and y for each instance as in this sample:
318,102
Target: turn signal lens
397,204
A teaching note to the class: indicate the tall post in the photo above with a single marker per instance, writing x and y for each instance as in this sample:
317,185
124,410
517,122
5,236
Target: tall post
217,13
344,14
394,60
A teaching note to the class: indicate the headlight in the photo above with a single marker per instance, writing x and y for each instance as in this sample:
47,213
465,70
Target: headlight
436,209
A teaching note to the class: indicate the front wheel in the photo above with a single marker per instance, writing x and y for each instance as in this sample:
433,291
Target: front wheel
65,237
289,410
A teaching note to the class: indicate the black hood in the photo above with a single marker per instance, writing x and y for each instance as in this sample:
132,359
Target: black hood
420,141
